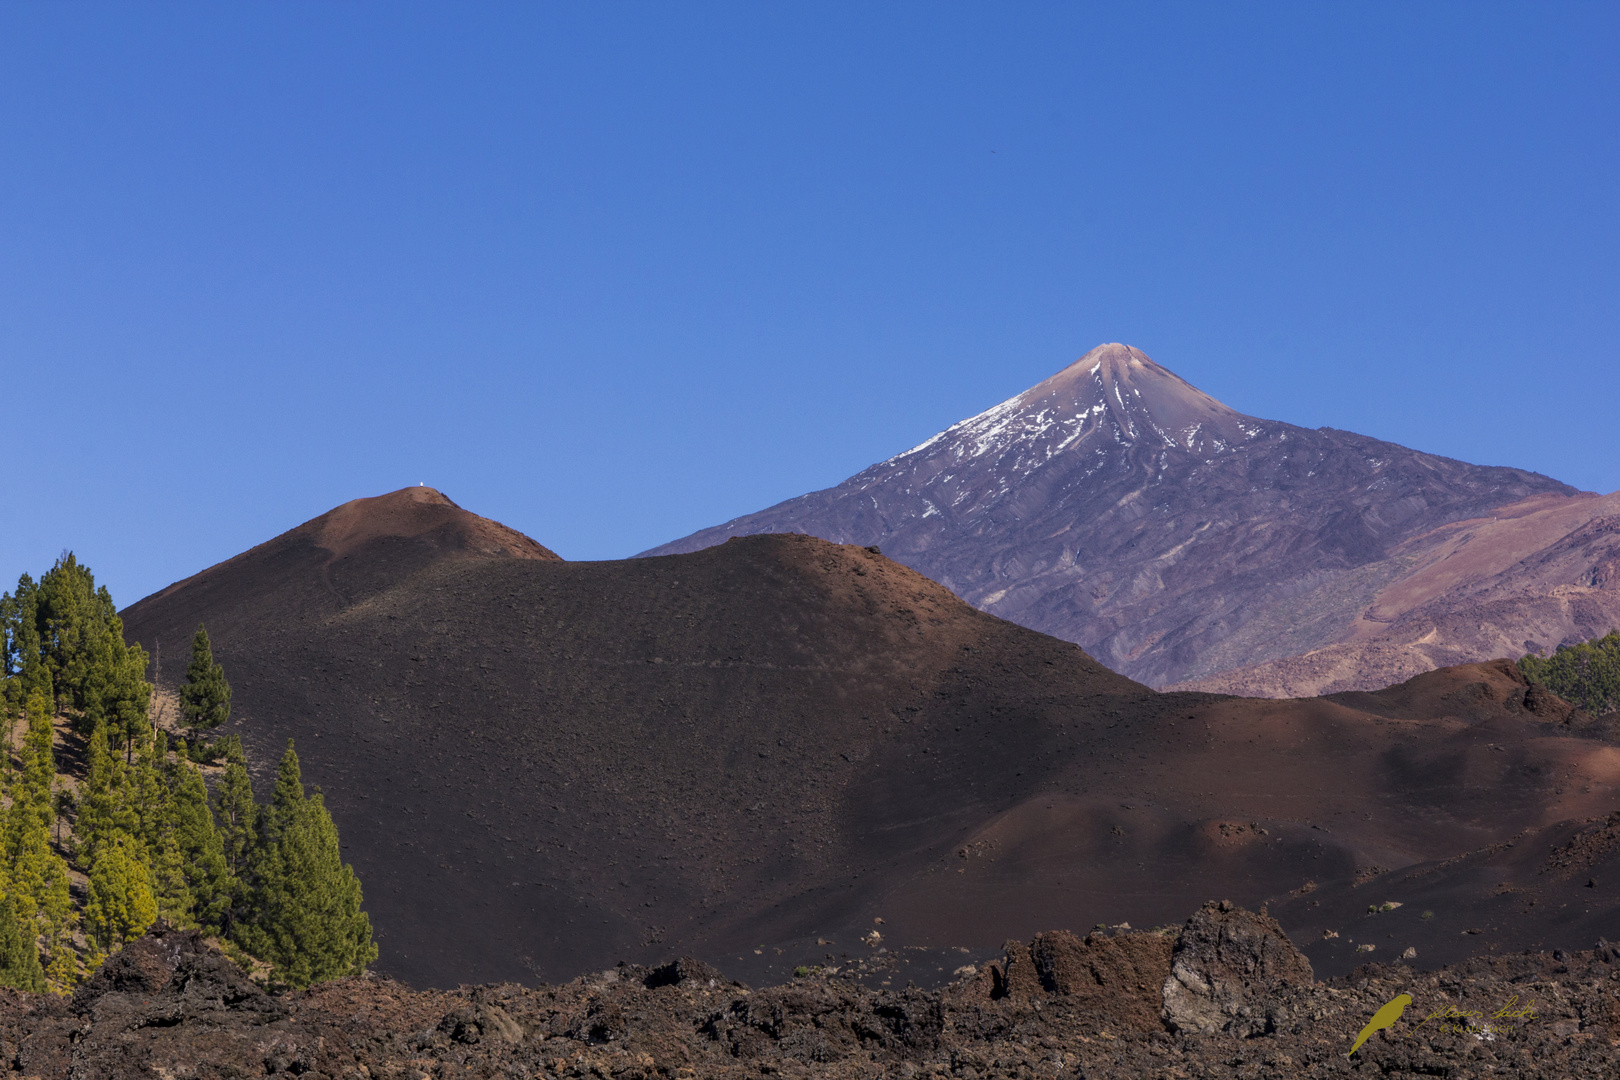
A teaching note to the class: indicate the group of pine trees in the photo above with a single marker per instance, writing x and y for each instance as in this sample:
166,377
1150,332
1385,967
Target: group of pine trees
89,860
1586,674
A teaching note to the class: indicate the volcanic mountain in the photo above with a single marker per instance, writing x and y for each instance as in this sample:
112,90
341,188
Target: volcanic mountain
1530,577
1116,506
752,752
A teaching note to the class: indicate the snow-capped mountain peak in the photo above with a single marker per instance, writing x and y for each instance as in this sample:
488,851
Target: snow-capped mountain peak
1118,506
1113,393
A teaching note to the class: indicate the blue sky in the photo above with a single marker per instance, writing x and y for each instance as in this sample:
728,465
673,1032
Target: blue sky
610,273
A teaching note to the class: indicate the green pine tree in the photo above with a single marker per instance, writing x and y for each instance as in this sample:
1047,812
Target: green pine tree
22,663
62,973
306,918
71,615
166,873
36,877
19,956
32,787
288,797
238,816
116,693
1587,673
64,804
205,696
64,637
201,849
147,792
120,905
103,812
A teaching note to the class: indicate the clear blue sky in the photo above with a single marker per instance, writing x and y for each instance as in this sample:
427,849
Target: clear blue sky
613,272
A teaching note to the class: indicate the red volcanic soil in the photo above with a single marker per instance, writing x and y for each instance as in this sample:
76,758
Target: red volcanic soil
753,752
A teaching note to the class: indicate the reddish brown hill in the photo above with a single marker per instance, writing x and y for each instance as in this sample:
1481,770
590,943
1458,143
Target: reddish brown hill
540,767
329,562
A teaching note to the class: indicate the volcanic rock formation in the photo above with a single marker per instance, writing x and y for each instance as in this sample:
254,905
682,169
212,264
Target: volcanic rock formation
1103,1007
1227,961
1172,538
750,753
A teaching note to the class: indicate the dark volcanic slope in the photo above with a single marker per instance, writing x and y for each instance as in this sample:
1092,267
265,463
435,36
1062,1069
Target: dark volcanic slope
327,564
1118,507
540,767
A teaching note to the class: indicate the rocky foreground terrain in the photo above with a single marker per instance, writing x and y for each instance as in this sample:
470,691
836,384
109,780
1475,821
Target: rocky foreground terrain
1228,995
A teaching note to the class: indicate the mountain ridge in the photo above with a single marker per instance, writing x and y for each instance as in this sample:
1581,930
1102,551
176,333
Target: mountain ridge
1117,506
1543,573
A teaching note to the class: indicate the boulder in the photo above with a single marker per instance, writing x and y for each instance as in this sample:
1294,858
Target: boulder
143,966
1225,972
1117,979
1113,981
480,1020
1016,976
687,973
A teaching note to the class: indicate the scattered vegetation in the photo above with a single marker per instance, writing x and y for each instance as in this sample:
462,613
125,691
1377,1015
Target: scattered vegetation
205,696
128,832
1587,674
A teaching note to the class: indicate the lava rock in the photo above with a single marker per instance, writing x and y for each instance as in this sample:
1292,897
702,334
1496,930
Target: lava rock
1226,969
686,973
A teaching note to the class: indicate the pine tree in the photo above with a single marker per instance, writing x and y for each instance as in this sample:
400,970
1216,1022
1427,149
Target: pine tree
19,956
201,849
36,878
63,970
289,793
306,914
71,614
238,816
166,872
1587,673
147,792
116,693
205,696
64,804
120,906
22,662
24,847
255,854
104,811
64,636
33,786
285,801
